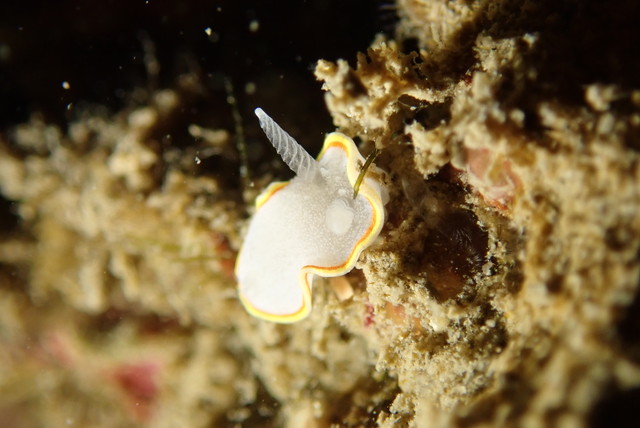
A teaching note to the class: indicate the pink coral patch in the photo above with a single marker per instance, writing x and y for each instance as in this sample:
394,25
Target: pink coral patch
138,382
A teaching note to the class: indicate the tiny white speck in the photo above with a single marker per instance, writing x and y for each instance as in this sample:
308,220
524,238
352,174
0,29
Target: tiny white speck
197,160
66,85
69,106
250,88
219,9
254,26
212,35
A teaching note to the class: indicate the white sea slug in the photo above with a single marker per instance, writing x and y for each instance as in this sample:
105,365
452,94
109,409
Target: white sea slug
311,225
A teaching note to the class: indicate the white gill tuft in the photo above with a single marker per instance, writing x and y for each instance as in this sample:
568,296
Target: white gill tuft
292,153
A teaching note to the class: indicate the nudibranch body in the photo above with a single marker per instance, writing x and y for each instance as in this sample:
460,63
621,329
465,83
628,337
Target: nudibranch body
311,225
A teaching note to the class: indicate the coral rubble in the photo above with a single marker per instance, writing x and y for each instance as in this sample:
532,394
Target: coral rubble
503,290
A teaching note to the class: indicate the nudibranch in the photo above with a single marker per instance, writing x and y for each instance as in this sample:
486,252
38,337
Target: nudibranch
311,225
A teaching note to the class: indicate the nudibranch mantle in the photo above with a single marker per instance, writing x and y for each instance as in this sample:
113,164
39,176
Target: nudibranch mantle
308,226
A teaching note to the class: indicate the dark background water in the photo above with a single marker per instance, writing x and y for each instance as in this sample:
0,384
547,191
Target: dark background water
99,48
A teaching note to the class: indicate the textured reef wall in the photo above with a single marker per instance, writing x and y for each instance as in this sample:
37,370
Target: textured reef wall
502,291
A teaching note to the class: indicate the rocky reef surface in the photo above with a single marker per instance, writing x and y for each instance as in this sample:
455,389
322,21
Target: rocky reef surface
502,291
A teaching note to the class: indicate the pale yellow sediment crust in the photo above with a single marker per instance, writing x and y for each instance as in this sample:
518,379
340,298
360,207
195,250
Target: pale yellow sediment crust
502,290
